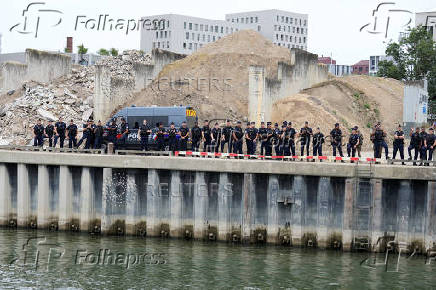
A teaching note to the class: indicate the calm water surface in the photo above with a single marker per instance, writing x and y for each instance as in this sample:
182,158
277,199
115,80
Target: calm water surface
71,261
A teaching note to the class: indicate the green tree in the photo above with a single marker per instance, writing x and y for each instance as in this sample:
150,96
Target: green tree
82,49
114,52
103,51
414,59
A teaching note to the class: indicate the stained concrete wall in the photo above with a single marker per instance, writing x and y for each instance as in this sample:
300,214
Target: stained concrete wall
112,92
40,66
296,210
302,72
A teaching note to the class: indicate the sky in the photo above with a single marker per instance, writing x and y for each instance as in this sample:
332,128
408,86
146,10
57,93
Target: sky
334,26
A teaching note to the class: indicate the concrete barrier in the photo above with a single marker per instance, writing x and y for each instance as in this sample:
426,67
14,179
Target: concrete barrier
302,72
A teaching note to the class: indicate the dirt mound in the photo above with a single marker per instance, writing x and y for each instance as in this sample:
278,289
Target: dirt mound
216,76
351,101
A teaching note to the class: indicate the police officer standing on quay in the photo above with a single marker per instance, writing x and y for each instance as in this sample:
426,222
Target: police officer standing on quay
143,132
318,140
336,140
124,130
423,149
238,134
378,138
269,139
172,137
91,134
49,132
430,143
160,137
60,128
206,136
415,144
399,143
38,134
277,138
216,137
250,138
305,134
98,132
291,132
353,142
112,134
262,136
72,134
227,137
196,135
85,135
184,136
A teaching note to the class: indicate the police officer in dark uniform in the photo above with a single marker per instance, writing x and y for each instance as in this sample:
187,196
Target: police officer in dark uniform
85,135
216,137
112,134
206,136
124,130
98,133
226,137
49,132
91,139
184,136
269,139
305,134
160,137
290,133
60,128
429,144
238,135
318,140
254,136
278,139
378,138
38,134
262,137
196,135
172,138
398,143
336,140
353,142
423,149
415,143
144,132
72,134
250,138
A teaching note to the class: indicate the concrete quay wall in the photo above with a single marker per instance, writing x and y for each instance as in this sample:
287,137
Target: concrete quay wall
300,204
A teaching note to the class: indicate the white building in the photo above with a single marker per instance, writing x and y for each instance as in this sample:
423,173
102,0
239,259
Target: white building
340,70
427,19
185,34
374,61
0,43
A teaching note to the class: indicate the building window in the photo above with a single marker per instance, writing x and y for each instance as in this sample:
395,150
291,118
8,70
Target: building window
204,37
206,28
222,29
300,22
168,23
283,18
168,44
291,20
289,46
298,29
302,30
213,38
277,37
287,38
246,20
208,38
201,27
237,20
190,26
280,28
187,35
158,45
193,36
293,29
166,34
195,46
304,39
299,40
184,25
157,34
198,37
184,45
242,20
190,45
169,34
281,37
227,30
196,27
233,19
251,19
216,28
257,19
258,28
305,22
287,19
277,18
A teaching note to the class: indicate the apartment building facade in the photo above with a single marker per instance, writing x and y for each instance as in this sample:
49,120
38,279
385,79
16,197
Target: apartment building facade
428,20
186,34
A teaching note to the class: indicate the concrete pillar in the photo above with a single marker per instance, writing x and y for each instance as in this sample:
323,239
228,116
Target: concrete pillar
65,198
272,229
131,203
403,215
347,223
430,220
87,210
324,195
201,199
43,197
248,206
297,221
225,193
377,212
176,201
153,203
5,195
23,195
106,219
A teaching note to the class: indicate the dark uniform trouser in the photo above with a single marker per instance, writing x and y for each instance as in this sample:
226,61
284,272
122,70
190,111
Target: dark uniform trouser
339,147
398,148
206,145
317,150
409,150
430,154
263,146
50,140
268,149
216,145
172,143
229,145
423,153
72,141
250,146
184,144
279,149
160,144
351,149
144,142
84,137
98,141
305,143
62,139
195,144
237,147
38,140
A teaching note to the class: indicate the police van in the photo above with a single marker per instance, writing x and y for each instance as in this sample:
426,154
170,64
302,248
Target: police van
135,116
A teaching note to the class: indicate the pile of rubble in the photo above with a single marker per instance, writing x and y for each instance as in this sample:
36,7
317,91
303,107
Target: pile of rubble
70,97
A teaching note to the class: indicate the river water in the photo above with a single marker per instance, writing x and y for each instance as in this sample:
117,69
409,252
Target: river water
79,261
